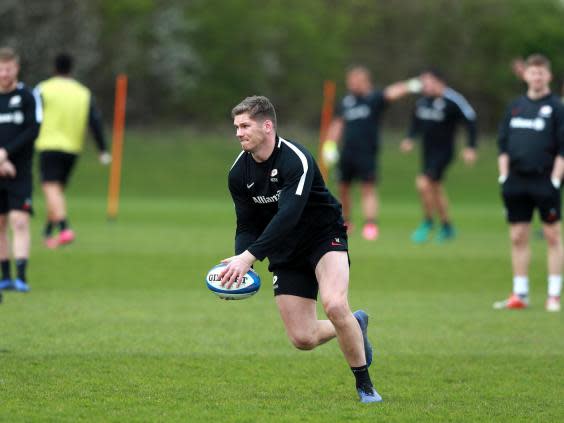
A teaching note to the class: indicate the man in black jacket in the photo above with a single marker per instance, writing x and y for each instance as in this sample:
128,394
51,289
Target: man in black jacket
531,166
285,212
20,116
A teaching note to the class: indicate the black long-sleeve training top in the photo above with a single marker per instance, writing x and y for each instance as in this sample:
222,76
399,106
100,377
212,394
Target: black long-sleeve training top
20,117
280,203
436,119
532,134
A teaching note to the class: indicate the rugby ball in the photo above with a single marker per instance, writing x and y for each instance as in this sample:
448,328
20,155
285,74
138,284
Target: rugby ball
248,287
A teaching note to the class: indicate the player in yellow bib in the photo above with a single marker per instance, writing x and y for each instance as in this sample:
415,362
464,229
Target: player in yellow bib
68,109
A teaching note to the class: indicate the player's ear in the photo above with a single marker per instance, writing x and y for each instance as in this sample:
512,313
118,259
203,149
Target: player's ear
268,125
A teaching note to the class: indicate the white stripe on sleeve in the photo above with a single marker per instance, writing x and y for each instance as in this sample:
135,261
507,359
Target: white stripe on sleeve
303,159
237,159
461,102
38,105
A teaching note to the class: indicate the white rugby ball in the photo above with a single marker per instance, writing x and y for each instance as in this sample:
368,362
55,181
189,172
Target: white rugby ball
248,287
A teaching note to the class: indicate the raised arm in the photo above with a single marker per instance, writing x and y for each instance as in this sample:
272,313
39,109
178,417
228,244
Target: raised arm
400,89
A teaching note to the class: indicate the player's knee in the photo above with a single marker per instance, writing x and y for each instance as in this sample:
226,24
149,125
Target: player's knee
422,183
19,224
553,238
303,341
336,309
519,238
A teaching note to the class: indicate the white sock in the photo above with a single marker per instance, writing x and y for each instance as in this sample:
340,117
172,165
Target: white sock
554,285
521,285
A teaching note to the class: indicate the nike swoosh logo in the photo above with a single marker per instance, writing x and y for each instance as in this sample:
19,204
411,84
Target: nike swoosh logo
336,244
250,185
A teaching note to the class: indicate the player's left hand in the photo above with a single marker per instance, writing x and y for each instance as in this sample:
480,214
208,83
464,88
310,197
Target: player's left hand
469,156
406,146
3,155
237,267
7,169
105,158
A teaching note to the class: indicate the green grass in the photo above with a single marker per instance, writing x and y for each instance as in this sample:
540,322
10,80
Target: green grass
120,328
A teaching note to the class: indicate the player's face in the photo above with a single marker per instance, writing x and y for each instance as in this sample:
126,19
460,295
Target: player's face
8,75
537,78
251,132
431,86
358,82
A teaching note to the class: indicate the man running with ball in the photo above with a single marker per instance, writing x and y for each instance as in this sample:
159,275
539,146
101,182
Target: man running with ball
285,212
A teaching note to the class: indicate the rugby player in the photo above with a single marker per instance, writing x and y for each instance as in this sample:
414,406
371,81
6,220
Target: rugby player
357,121
20,117
285,212
531,166
435,118
68,108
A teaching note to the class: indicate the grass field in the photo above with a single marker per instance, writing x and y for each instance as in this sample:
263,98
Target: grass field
120,328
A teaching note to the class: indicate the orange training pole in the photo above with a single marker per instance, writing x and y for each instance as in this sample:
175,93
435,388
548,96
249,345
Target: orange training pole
329,88
117,146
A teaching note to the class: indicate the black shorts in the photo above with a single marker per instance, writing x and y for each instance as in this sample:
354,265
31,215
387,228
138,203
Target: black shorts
435,164
56,166
362,168
298,277
16,195
523,194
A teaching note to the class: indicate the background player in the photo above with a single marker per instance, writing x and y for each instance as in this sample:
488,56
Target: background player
435,119
68,107
531,166
20,116
356,122
285,212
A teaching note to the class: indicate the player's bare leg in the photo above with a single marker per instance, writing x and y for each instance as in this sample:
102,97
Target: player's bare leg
555,258
332,273
55,201
520,249
345,197
300,320
6,282
520,259
20,225
369,199
4,243
424,187
425,190
441,203
56,213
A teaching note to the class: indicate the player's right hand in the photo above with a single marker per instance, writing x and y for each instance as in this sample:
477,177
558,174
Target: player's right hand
330,153
406,146
237,267
105,158
7,169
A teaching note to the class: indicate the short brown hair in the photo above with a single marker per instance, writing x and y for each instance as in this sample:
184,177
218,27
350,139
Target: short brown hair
258,107
537,60
7,54
359,68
